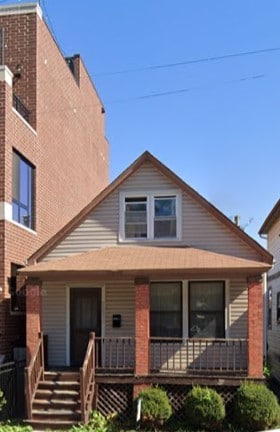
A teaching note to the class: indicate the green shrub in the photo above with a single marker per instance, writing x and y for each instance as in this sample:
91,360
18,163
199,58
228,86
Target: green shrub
256,407
12,426
97,423
2,400
204,408
155,406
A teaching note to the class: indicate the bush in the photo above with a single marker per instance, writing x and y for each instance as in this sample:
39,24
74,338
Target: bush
256,407
11,426
204,408
155,406
97,423
2,400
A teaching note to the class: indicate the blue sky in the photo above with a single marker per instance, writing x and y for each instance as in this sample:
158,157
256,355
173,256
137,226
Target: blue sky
222,136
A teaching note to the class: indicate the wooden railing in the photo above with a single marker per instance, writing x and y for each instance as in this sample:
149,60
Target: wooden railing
33,374
87,380
198,355
114,354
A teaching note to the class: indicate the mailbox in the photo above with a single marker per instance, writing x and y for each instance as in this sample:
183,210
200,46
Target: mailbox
117,320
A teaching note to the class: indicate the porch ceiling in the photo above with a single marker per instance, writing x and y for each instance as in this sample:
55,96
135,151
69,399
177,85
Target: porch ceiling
148,260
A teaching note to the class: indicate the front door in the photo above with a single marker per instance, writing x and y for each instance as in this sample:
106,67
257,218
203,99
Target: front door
85,317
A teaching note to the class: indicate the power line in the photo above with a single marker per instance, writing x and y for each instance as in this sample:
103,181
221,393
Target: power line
185,90
190,62
43,4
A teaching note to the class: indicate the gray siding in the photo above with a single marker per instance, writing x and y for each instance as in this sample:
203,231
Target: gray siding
199,228
273,334
238,318
273,245
54,321
120,299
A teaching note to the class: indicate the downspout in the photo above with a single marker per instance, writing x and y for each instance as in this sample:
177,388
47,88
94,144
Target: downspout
264,277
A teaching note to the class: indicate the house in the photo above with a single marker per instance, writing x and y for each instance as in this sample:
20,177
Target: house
149,283
271,230
52,148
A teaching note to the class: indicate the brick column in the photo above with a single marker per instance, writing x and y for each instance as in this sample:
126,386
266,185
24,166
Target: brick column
255,327
33,315
142,331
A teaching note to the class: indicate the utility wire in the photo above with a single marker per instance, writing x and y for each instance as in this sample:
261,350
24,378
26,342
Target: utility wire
185,90
190,62
43,4
75,108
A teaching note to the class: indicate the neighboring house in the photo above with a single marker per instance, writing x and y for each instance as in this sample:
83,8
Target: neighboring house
171,287
271,230
53,153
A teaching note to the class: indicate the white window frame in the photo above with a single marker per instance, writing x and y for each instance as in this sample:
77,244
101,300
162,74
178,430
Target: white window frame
150,214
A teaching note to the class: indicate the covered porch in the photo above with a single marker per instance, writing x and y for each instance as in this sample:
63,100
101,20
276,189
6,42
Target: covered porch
207,330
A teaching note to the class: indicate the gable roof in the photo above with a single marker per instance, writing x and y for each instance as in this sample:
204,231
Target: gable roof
148,157
151,260
271,219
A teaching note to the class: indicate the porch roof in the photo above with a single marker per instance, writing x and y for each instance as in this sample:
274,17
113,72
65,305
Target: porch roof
147,260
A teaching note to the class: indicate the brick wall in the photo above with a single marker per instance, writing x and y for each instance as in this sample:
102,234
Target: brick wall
255,327
65,143
142,327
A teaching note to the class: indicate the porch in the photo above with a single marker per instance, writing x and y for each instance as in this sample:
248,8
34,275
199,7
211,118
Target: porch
173,356
57,397
183,324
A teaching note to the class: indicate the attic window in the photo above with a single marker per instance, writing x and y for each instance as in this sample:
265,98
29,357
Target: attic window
136,217
150,216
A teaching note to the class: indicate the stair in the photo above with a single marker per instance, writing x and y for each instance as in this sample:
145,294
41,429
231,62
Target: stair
57,401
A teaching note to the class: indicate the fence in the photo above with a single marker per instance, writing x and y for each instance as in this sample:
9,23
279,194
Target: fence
12,385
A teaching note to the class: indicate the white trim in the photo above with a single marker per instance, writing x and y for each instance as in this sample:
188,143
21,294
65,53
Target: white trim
31,231
150,195
6,75
21,8
227,309
103,310
6,211
24,121
67,329
185,308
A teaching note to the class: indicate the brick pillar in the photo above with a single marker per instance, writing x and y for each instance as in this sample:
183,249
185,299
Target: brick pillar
255,327
142,331
33,315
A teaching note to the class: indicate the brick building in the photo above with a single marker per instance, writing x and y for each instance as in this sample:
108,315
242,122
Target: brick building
53,154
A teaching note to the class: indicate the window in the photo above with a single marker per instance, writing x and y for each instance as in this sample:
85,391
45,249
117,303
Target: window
207,309
269,308
17,290
23,191
278,308
166,309
150,216
136,217
165,217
